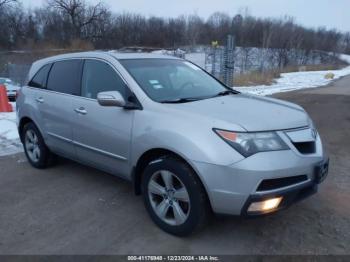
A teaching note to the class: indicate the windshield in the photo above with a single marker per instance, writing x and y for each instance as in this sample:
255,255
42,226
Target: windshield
6,81
167,80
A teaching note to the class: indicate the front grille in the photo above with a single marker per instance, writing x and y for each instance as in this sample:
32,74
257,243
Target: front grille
271,184
306,147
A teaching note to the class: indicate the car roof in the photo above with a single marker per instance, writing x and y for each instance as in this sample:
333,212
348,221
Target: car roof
101,54
119,55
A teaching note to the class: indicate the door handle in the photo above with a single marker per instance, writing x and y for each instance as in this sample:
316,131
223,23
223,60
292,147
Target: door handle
40,100
81,111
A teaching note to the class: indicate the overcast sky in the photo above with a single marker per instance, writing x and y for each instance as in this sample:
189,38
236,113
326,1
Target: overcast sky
311,13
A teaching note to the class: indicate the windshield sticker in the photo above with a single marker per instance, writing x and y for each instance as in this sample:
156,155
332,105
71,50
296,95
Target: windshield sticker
158,86
192,66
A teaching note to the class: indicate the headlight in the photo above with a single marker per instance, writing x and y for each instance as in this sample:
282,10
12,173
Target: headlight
249,144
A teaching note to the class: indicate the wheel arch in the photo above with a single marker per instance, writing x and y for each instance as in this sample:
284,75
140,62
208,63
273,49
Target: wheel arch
24,120
152,155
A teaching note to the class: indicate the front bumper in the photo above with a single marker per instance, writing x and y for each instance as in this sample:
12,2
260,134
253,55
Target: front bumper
231,189
291,194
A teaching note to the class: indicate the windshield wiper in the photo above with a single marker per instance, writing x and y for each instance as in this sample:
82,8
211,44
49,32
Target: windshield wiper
226,93
191,99
180,100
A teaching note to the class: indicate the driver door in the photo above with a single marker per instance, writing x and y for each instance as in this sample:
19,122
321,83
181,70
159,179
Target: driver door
101,134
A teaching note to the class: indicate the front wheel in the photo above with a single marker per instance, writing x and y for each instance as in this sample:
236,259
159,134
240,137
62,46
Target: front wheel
174,196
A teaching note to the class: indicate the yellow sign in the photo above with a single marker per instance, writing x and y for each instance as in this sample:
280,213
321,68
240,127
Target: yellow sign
214,43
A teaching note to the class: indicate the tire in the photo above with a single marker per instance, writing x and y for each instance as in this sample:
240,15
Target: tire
37,153
163,207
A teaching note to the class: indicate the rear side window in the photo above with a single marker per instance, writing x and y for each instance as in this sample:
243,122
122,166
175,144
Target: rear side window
64,77
100,77
39,80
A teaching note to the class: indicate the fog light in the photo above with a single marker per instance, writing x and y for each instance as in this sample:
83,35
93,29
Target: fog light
266,205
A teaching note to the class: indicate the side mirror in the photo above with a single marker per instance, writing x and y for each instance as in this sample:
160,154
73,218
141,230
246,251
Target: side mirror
111,98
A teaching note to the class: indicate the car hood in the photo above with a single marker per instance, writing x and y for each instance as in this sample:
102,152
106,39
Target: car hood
251,112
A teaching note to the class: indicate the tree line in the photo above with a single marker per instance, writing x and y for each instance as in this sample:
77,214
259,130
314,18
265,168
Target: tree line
81,24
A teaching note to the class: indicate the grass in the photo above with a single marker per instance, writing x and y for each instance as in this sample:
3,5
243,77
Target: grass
268,77
256,78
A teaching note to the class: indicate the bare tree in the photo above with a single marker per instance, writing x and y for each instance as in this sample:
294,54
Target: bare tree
62,22
6,2
267,34
346,43
194,28
219,26
81,15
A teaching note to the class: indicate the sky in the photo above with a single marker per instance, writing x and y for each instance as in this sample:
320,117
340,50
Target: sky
310,13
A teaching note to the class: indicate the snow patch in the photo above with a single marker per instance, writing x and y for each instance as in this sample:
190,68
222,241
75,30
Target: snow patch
8,126
9,139
298,80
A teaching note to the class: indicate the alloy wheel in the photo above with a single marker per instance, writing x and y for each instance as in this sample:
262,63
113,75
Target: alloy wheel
169,197
32,146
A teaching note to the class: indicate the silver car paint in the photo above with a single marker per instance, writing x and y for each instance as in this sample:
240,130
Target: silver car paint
114,139
56,119
102,135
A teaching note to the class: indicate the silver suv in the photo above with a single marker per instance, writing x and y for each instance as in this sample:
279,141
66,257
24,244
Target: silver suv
189,144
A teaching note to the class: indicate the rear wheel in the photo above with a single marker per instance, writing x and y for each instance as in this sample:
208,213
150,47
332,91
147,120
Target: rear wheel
38,155
174,196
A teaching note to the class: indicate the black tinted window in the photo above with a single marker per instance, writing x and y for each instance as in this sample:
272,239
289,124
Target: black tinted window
100,77
39,80
64,77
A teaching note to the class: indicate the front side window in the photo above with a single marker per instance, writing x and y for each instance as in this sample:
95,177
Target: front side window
64,77
100,77
40,78
171,79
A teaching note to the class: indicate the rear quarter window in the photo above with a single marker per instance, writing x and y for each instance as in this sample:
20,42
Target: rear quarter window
40,78
65,77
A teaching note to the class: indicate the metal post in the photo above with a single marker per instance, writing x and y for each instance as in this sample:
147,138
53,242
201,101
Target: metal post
213,61
229,61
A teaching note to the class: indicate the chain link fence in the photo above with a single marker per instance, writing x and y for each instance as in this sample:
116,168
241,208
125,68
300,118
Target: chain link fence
220,61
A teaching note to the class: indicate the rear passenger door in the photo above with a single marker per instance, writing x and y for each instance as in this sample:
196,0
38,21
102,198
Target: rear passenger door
37,87
55,103
102,135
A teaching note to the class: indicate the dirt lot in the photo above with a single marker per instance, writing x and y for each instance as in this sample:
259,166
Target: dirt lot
72,209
